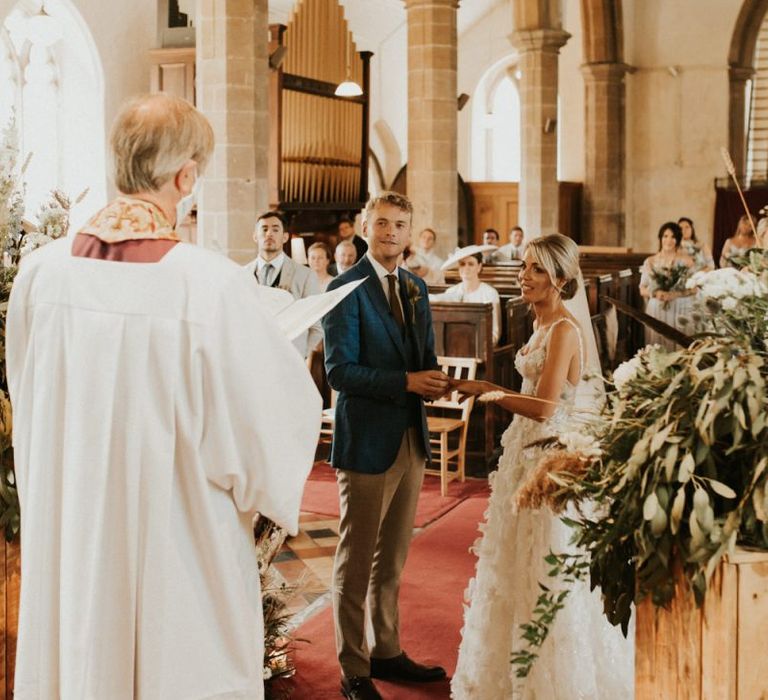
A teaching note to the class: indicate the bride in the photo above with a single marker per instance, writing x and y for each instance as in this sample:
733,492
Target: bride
583,657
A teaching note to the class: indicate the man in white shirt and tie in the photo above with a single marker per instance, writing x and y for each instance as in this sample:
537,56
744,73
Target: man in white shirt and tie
273,268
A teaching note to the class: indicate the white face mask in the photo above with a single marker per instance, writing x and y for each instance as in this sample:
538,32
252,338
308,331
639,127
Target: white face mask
186,203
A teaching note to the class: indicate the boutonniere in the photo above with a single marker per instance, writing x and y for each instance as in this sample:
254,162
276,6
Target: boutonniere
413,292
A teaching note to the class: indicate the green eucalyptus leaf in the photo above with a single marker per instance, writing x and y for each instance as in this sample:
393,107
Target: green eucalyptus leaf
650,506
721,489
676,514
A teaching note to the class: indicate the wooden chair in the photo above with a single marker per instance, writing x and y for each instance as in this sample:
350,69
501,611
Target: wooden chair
442,426
326,422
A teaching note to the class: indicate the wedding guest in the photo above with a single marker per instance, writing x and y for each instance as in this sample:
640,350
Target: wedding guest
699,252
273,268
491,238
662,283
416,264
515,248
380,358
426,249
762,232
347,233
740,242
471,289
319,258
345,256
156,409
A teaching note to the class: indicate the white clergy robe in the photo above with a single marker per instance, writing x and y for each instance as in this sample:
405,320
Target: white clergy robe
157,407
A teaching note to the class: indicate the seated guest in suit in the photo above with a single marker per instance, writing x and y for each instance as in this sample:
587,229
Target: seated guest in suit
493,255
346,232
426,249
273,268
345,256
471,289
515,248
319,258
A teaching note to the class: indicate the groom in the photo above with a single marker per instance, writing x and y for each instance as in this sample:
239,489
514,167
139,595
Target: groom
379,350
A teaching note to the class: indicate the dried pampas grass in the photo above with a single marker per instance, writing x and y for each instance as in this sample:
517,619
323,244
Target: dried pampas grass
551,483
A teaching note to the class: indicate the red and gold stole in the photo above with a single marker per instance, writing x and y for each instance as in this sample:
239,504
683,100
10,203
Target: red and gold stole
126,230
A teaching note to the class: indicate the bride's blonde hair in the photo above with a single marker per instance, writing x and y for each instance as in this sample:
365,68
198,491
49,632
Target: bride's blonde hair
559,256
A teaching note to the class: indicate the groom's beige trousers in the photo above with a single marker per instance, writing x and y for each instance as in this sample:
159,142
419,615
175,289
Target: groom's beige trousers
375,531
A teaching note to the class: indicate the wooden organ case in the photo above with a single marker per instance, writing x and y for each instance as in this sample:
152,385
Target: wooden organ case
318,161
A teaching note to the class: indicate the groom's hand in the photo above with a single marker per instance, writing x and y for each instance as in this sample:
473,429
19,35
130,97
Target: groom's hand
429,383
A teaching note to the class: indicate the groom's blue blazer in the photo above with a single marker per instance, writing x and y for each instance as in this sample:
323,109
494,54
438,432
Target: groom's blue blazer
366,358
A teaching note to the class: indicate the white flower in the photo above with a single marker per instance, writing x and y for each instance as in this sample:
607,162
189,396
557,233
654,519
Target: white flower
33,241
626,372
267,673
585,445
727,283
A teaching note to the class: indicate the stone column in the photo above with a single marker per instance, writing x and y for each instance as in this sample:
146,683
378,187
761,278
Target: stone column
538,64
433,118
232,91
737,124
604,144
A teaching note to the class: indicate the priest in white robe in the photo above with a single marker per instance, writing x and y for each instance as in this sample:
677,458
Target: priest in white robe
157,408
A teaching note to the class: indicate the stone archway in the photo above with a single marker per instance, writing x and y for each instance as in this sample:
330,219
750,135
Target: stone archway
741,68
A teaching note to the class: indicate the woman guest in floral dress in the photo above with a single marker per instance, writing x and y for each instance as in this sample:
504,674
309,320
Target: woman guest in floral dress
663,283
698,251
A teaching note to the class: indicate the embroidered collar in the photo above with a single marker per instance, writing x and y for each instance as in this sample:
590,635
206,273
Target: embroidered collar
126,219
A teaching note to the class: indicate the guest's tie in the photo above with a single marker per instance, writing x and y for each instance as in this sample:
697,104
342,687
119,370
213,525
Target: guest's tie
266,273
394,304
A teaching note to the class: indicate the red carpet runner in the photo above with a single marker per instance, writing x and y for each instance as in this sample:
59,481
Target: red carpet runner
321,495
437,572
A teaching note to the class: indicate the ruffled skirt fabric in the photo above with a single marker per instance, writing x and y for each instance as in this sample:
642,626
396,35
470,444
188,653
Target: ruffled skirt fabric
583,657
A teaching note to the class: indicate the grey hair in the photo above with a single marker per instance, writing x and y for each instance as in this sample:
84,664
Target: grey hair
153,137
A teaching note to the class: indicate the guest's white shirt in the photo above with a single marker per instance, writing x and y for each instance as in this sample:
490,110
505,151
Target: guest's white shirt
484,294
277,265
433,260
381,273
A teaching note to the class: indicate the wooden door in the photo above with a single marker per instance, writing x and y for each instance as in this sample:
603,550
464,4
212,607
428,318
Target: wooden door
495,206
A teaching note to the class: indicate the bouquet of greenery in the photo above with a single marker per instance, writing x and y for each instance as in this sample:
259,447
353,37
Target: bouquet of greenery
680,478
669,279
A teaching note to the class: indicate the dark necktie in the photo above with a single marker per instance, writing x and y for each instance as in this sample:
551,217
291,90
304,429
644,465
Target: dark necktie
394,304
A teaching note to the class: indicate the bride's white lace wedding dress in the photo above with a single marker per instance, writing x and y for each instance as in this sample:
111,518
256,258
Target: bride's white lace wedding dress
584,657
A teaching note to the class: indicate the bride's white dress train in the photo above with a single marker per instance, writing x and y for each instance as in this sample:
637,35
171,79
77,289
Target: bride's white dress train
584,657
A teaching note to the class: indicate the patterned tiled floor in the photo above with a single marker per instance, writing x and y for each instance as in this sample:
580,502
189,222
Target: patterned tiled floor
308,560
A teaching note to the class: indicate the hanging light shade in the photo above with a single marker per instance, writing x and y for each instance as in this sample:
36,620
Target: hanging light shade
349,88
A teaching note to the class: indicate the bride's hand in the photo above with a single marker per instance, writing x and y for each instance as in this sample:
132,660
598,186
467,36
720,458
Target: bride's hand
471,387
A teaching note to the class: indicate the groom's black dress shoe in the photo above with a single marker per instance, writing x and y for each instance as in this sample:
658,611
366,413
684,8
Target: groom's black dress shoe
359,688
401,668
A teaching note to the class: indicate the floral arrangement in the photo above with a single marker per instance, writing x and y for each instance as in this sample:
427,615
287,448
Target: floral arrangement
674,471
669,279
275,597
17,238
